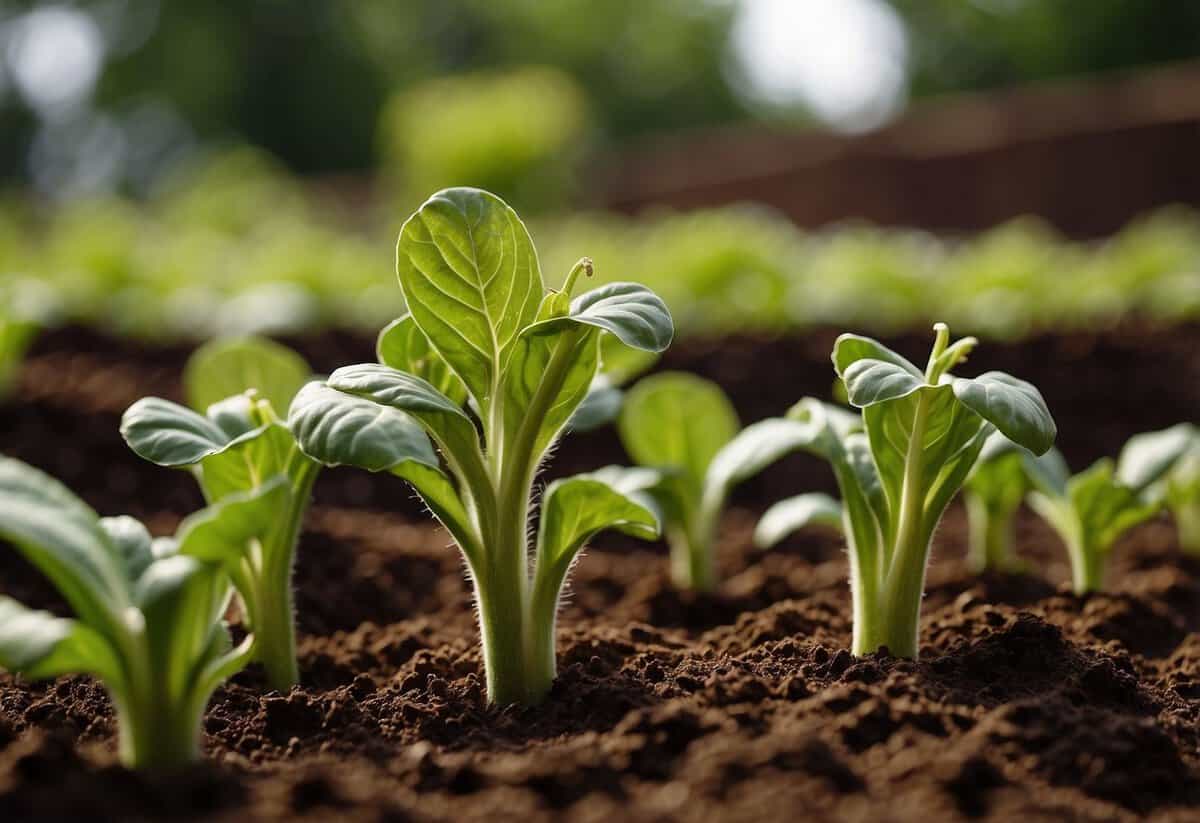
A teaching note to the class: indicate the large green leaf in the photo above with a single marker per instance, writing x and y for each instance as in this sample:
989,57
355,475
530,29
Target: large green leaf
1147,458
629,311
335,428
402,346
63,538
1013,406
229,366
39,645
677,420
470,277
791,515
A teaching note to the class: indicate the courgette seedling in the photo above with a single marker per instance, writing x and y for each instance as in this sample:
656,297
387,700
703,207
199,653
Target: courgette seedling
1092,509
992,494
148,613
684,427
233,442
1183,496
492,366
898,467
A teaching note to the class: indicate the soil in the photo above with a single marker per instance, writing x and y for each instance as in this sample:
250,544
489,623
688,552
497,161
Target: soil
1027,702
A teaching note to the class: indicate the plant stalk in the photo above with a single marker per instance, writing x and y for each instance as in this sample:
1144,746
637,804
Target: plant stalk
1087,565
157,737
1187,523
989,534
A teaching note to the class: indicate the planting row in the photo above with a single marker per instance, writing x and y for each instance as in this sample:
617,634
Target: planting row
472,389
241,247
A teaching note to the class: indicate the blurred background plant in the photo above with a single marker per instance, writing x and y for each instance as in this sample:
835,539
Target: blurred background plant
189,168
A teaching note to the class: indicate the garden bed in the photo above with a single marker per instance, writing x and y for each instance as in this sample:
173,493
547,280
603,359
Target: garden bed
741,705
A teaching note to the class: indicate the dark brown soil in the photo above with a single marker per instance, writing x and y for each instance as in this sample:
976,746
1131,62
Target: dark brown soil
1027,702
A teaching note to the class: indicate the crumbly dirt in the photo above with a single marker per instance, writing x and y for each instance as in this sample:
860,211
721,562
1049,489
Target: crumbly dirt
1027,702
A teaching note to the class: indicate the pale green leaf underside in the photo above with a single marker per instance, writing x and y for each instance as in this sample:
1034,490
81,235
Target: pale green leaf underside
1013,406
169,434
40,645
791,515
850,348
1146,458
335,428
221,532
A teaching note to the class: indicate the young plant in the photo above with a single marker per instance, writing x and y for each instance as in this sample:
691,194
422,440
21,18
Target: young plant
492,366
920,434
1183,495
685,429
148,613
237,445
992,494
1092,509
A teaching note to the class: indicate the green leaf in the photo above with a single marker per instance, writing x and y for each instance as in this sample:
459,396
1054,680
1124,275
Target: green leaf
1049,473
869,382
1147,458
182,599
221,533
677,420
449,425
223,368
1106,507
63,538
470,277
576,508
756,447
335,428
39,645
850,348
793,514
629,311
600,405
1013,406
402,346
951,440
248,461
132,542
169,434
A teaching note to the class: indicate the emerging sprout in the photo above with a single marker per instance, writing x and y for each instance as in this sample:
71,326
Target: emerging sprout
235,447
1092,509
685,428
919,437
490,366
148,613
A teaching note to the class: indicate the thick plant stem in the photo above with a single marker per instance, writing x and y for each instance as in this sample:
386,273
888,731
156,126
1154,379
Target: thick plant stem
905,582
518,658
275,627
989,533
157,738
691,561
